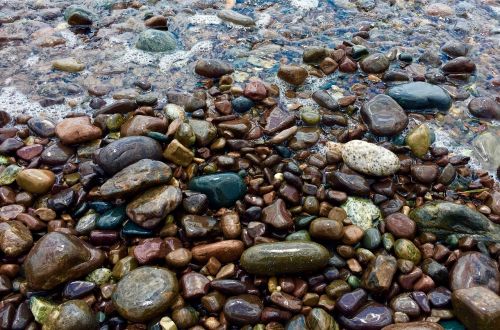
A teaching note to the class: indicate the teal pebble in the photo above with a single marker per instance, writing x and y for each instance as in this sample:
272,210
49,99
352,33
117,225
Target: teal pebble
222,189
371,239
112,219
130,229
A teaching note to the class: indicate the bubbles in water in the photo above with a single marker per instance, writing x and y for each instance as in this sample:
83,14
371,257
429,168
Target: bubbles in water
305,4
204,19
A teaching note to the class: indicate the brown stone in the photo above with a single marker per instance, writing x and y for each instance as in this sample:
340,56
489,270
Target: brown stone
420,325
400,225
277,215
150,249
15,238
224,251
477,308
475,269
77,130
378,275
141,125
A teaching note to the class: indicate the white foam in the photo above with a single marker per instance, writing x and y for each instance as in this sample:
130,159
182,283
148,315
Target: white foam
137,56
204,20
305,4
181,58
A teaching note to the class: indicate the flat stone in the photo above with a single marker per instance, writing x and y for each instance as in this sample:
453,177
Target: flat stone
369,158
222,189
56,154
384,116
178,154
15,238
141,125
477,308
372,316
204,131
212,68
421,97
420,325
42,127
292,74
68,64
475,269
375,63
235,17
243,309
378,275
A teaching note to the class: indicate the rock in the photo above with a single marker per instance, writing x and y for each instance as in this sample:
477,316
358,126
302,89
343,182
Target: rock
445,218
305,137
475,269
61,201
199,226
204,131
243,309
212,68
323,99
126,151
310,116
77,16
477,308
375,63
145,293
400,226
484,107
405,249
441,296
459,65
235,17
42,127
194,285
225,251
419,140
493,202
141,125
112,219
222,189
289,257
425,173
68,64
56,154
277,215
361,211
15,238
384,116
419,325
35,181
292,74
71,315
152,40
439,9
41,308
318,318
454,48
46,267
369,158
403,303
372,239
350,302
150,250
242,104
121,106
351,183
421,97
326,229
77,130
178,154
487,149
10,145
143,174
152,206
372,316
378,275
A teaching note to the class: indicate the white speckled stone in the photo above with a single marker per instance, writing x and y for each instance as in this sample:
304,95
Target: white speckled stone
369,158
362,212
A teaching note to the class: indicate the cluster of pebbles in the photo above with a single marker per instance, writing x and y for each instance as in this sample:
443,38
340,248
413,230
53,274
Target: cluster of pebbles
223,210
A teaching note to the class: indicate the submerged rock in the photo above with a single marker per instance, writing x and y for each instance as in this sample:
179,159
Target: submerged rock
152,40
384,116
235,17
212,68
71,315
292,74
421,97
445,218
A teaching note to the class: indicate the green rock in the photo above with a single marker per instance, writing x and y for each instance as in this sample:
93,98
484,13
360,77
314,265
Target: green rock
112,219
130,229
9,174
452,325
149,99
314,55
487,149
371,238
99,276
405,249
289,257
4,160
445,218
114,122
41,308
222,189
388,241
75,15
300,235
310,116
185,134
337,289
303,221
71,315
354,281
124,266
160,137
318,318
156,41
419,140
361,211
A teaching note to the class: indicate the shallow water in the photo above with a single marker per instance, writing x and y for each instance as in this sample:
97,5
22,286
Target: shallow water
33,33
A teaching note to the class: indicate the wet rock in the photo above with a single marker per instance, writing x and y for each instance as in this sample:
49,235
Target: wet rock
318,318
77,16
493,202
372,316
350,302
194,285
121,106
212,68
243,309
439,9
322,98
405,304
327,229
123,152
235,17
15,238
352,183
378,275
477,308
77,130
222,189
69,64
289,257
292,74
204,131
440,297
384,116
420,97
198,226
46,266
445,218
459,65
425,173
369,158
455,48
375,63
405,249
56,154
141,125
225,251
361,211
151,207
242,104
10,145
475,269
152,40
419,140
141,175
277,215
78,289
305,137
61,201
420,325
35,180
400,225
42,127
487,149
145,293
72,315
484,107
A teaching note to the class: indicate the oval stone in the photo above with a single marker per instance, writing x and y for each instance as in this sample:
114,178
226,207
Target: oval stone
152,40
384,116
421,97
145,293
372,316
72,315
475,269
369,158
222,189
420,325
290,257
35,180
123,152
243,309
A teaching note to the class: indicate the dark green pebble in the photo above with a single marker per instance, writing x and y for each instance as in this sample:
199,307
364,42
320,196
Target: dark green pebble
112,219
222,189
371,239
160,137
101,206
130,229
303,221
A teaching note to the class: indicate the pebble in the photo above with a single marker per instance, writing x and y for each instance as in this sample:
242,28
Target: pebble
71,315
400,225
289,257
47,267
222,189
151,207
243,309
484,107
277,215
350,302
178,154
318,318
322,98
405,304
35,180
475,269
78,16
235,17
68,64
15,238
152,40
361,211
56,154
225,251
369,158
419,325
377,277
477,308
326,229
372,316
384,116
420,97
141,125
126,151
405,249
212,68
419,140
42,127
425,173
145,293
455,48
77,130
375,63
292,74
459,65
